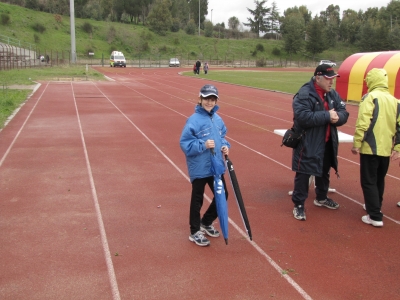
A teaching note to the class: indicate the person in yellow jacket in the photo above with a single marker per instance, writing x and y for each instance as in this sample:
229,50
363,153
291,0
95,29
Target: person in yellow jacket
377,140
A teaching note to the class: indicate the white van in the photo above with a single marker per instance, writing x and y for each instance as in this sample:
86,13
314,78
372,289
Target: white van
117,58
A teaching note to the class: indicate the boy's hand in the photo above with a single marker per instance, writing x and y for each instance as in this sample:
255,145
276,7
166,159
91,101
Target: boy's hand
210,144
225,150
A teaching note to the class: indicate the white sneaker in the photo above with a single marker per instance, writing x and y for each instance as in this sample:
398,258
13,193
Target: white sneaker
199,239
367,220
398,204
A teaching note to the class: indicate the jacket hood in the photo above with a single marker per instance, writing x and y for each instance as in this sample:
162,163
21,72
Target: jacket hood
376,78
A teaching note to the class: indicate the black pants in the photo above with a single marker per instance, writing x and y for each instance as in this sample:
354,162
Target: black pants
373,169
196,203
301,180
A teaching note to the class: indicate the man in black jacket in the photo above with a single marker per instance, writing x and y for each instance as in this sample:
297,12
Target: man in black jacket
318,110
198,65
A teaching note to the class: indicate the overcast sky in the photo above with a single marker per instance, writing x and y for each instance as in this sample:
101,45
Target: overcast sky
222,10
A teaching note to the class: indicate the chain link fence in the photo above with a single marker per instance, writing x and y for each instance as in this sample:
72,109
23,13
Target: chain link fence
14,57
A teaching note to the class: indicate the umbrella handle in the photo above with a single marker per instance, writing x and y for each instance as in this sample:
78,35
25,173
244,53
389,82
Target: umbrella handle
226,157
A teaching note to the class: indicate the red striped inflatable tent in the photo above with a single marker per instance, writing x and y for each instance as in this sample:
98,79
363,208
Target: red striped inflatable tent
351,86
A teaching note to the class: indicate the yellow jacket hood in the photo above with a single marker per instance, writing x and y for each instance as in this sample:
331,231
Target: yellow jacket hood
376,78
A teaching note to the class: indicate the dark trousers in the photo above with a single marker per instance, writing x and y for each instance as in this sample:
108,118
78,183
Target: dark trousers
196,203
373,169
302,181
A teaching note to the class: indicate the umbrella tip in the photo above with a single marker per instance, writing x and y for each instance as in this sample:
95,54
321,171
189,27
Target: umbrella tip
226,241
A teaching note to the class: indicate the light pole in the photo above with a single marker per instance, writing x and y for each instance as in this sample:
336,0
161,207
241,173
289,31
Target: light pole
72,21
211,14
199,17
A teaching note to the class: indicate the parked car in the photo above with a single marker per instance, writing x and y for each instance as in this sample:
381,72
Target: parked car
327,62
174,62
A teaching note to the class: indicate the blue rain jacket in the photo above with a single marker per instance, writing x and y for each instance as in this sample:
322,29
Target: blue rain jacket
200,127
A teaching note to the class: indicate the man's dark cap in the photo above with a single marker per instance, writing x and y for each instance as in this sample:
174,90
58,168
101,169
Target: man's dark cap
326,71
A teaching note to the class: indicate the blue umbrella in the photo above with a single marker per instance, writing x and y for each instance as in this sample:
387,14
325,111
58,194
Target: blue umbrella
218,169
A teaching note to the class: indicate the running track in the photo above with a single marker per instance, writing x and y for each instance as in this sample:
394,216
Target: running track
94,201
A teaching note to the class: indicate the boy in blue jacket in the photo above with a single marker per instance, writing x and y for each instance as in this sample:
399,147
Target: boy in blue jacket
203,131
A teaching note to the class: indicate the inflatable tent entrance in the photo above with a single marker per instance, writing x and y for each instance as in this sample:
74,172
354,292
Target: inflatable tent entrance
351,86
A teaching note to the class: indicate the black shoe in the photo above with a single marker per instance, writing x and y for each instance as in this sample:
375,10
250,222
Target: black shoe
299,213
199,239
328,202
210,230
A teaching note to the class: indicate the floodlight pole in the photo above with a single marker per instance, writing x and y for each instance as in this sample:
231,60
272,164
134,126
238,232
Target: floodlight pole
72,21
199,17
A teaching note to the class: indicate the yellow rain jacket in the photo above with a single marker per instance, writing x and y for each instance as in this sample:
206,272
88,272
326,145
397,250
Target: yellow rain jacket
378,123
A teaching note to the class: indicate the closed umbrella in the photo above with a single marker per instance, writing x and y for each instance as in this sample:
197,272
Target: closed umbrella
238,196
218,168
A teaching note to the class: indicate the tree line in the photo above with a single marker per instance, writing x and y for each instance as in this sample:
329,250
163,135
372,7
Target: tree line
376,29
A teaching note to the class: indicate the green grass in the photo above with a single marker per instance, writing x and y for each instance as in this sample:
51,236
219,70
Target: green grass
10,99
282,81
135,40
26,76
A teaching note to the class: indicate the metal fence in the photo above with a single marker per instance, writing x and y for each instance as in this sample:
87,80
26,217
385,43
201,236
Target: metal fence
14,57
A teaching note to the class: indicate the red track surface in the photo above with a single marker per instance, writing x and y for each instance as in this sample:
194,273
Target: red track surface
94,201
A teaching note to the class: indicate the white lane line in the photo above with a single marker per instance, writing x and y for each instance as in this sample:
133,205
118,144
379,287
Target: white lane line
251,149
227,103
103,235
254,244
361,204
22,127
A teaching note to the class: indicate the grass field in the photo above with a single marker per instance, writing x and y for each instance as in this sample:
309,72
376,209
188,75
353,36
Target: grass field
283,81
134,40
26,76
11,98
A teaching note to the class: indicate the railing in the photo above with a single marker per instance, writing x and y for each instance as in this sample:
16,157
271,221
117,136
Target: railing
12,57
14,42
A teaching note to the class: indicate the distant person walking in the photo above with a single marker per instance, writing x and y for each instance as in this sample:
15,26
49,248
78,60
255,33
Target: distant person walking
205,68
198,65
377,140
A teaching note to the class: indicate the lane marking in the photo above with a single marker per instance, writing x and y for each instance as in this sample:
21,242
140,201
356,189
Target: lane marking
220,113
103,235
22,127
249,148
254,244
